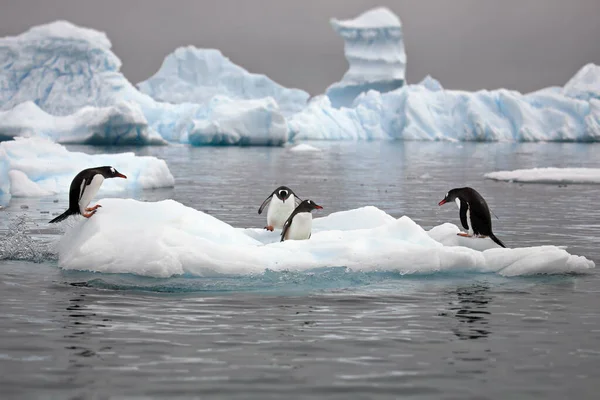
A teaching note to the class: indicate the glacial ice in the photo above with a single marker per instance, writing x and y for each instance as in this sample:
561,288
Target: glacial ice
68,71
172,239
548,175
427,112
192,75
37,167
374,49
121,124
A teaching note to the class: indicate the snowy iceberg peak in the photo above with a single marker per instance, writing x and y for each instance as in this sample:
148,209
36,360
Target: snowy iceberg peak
196,75
375,52
585,84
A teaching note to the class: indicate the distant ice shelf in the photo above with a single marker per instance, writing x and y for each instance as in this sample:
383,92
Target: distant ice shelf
172,239
39,167
548,175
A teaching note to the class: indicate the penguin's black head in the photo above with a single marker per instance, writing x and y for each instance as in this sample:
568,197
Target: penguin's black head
283,193
308,206
450,196
110,172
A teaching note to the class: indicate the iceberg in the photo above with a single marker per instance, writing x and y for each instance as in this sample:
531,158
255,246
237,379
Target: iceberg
121,124
192,75
172,239
426,111
548,175
585,84
70,72
374,48
38,167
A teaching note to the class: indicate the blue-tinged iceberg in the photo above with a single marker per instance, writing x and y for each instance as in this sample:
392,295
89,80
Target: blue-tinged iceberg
38,167
428,112
62,70
374,48
192,75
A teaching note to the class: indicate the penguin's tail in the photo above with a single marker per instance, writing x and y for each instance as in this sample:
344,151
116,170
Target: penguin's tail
63,216
498,241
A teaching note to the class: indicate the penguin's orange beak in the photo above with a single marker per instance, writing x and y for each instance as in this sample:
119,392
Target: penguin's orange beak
318,207
119,175
441,203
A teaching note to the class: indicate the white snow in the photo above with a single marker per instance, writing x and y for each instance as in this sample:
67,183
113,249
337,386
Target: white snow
38,167
121,124
172,239
374,48
585,84
195,75
548,175
303,148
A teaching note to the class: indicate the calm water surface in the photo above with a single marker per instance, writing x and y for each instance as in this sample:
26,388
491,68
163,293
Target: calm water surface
325,334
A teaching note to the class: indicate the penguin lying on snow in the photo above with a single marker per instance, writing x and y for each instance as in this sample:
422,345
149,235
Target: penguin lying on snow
474,213
299,224
83,188
282,203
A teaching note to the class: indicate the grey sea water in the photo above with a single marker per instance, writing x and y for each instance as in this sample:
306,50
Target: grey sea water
325,334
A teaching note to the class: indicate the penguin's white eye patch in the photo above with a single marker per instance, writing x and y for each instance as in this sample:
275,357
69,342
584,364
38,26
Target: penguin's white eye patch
112,170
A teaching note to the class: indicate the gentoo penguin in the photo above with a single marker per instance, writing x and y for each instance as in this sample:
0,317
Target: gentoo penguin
474,213
84,187
282,203
299,224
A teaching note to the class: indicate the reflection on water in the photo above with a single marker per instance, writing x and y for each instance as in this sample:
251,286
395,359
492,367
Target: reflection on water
471,311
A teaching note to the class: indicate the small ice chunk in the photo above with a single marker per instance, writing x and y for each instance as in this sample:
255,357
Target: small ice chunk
548,175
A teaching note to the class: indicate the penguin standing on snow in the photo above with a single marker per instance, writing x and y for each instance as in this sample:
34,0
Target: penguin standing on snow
282,203
474,213
299,224
84,187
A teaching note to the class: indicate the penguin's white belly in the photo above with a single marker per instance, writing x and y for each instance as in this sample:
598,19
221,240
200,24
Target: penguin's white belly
300,228
279,211
89,191
457,200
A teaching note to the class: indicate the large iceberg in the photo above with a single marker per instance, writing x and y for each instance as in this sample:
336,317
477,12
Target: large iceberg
171,239
192,75
374,48
38,167
426,111
68,71
548,175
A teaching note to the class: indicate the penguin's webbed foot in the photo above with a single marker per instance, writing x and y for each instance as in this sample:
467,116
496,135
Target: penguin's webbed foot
463,234
269,228
93,208
89,214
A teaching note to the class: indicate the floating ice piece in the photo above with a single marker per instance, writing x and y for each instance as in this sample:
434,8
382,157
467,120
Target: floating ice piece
374,48
585,84
192,75
122,124
548,175
38,167
244,122
171,239
303,147
428,112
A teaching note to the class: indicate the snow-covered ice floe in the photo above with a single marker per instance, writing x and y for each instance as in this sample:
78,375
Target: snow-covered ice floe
548,175
38,167
172,239
374,48
303,148
192,75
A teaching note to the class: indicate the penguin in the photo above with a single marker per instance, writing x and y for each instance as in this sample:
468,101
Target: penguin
299,224
83,188
474,213
282,203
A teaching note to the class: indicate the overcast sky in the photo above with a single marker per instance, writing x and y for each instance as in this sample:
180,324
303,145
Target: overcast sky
466,44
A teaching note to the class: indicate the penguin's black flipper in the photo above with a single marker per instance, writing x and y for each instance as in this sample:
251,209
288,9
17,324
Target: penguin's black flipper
297,200
265,203
464,207
286,226
495,239
63,216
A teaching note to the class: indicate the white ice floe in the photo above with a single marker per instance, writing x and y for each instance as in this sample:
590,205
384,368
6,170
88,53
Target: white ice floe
548,175
166,238
38,167
374,48
192,75
303,147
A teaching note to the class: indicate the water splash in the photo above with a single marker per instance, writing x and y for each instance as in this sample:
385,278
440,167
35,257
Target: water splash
17,244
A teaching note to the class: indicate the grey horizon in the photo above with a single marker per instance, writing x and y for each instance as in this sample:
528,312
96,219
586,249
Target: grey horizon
465,44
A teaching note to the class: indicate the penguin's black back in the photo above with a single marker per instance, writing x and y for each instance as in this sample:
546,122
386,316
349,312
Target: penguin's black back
481,221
